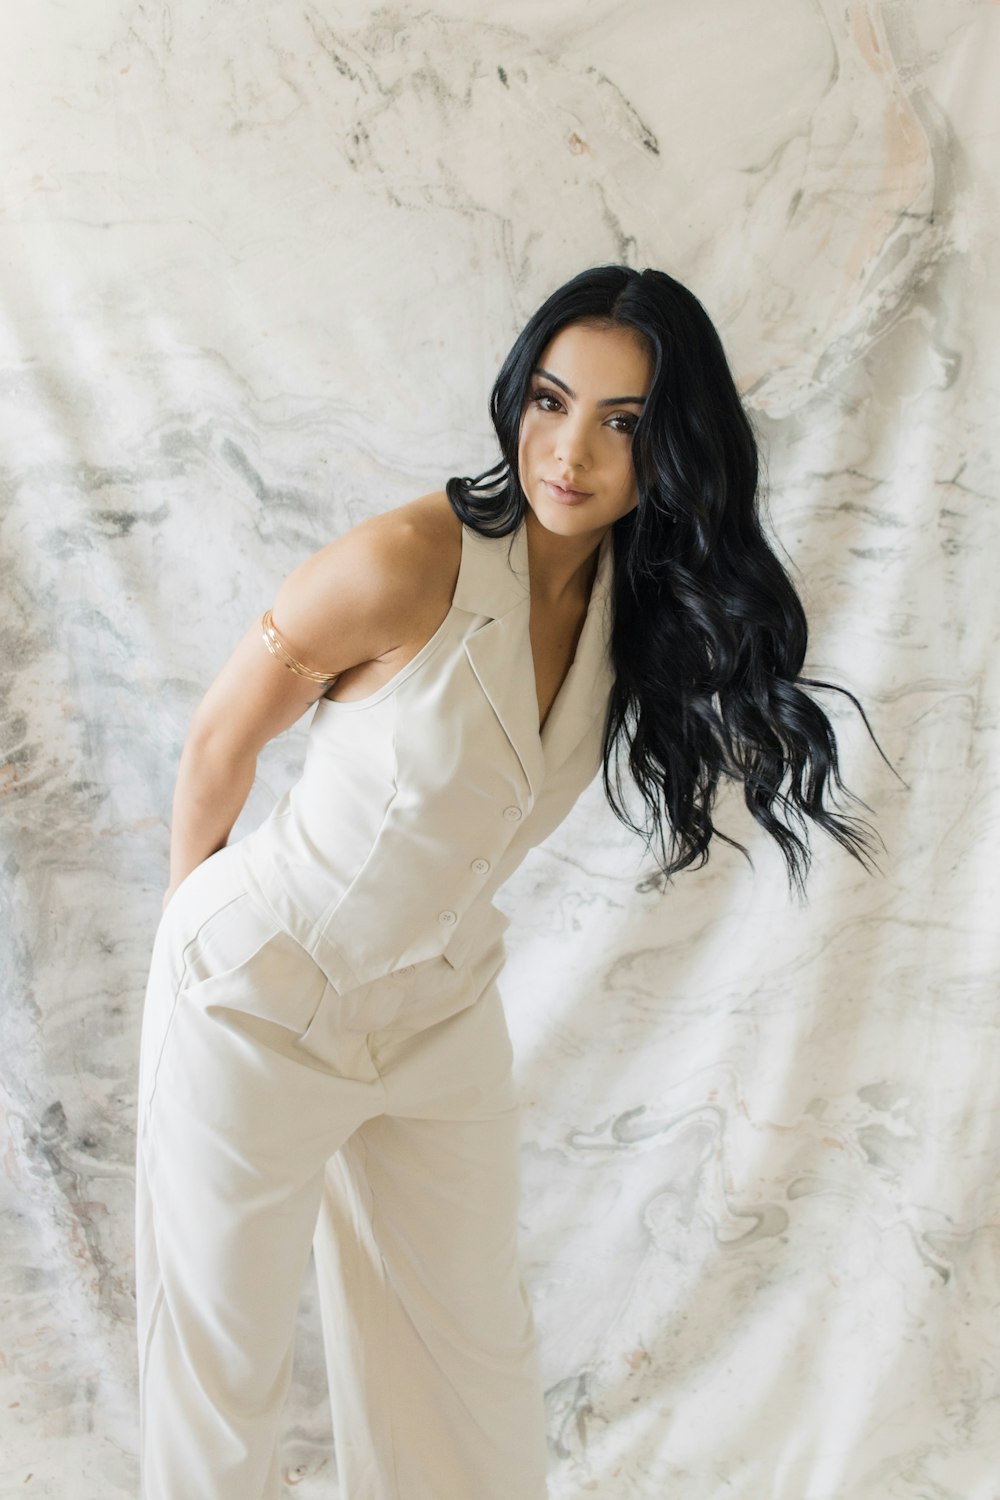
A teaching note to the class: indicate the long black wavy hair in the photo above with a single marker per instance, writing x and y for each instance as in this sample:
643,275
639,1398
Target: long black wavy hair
709,633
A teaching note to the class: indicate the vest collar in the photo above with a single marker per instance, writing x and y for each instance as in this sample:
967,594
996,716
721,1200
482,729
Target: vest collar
490,583
500,652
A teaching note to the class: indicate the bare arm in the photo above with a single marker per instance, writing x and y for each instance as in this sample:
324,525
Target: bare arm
349,603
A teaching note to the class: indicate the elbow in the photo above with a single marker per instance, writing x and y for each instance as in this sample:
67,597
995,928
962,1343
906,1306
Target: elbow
215,747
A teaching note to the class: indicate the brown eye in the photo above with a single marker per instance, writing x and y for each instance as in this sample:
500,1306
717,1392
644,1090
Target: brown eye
537,397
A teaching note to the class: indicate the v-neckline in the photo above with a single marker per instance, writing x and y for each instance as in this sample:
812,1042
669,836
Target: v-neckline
541,728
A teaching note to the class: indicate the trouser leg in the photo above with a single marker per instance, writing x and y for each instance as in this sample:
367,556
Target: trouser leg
432,1363
234,1133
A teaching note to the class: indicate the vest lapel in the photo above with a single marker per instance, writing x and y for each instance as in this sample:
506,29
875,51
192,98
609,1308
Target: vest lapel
500,651
583,697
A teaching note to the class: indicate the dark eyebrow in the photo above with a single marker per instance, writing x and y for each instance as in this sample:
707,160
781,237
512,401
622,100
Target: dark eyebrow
608,400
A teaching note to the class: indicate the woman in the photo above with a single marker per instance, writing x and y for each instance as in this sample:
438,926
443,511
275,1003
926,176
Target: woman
324,1057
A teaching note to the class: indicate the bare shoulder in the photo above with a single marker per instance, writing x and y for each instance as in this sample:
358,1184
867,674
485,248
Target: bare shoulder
413,554
422,535
378,587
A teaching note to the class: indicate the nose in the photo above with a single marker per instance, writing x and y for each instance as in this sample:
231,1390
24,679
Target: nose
572,448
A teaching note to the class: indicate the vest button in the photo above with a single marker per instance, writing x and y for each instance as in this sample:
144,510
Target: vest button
512,814
480,866
447,917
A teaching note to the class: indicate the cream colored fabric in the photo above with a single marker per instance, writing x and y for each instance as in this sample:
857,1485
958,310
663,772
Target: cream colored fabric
325,1060
375,858
397,1149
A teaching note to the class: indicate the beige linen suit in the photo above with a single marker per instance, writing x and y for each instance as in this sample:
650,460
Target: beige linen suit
325,1063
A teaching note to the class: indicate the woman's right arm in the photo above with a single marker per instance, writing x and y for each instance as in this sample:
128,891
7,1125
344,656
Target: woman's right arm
348,603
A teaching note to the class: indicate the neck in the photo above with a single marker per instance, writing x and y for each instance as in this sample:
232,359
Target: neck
561,569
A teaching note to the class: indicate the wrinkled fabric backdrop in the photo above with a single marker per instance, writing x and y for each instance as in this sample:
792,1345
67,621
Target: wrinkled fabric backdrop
258,268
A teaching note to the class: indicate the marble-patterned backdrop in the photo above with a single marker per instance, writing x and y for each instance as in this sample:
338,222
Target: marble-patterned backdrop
258,267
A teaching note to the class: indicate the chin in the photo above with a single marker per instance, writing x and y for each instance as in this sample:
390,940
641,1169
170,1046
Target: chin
568,520
565,519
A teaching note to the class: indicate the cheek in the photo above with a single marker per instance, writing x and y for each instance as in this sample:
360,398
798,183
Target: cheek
528,440
524,451
626,469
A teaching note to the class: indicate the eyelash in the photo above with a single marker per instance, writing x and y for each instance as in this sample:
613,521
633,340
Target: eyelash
537,397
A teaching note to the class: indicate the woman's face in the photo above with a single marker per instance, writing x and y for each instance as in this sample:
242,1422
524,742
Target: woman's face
576,428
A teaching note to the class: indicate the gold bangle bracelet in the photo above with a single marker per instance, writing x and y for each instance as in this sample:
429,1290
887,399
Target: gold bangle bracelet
278,649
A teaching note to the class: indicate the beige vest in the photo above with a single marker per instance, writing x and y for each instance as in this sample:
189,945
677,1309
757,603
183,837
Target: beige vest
416,803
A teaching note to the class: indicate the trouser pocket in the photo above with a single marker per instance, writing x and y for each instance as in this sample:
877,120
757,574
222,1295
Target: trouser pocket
237,959
242,959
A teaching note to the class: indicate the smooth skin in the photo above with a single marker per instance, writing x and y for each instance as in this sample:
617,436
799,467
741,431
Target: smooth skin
365,604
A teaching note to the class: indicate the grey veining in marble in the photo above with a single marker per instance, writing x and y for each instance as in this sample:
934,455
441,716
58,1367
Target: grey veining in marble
258,268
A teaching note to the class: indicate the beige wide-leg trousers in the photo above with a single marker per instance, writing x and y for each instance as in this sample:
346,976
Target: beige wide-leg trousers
379,1127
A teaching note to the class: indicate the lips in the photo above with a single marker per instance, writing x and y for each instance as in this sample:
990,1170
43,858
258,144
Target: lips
561,492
